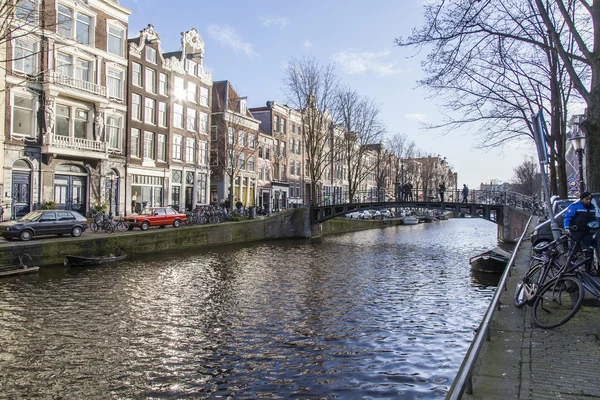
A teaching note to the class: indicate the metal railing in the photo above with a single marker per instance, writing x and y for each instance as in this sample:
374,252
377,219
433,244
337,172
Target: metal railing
75,143
75,83
464,378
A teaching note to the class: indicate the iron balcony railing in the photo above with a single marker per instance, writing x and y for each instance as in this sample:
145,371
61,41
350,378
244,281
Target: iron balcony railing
75,83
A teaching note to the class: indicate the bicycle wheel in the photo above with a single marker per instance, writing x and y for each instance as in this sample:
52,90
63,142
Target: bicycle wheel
122,226
94,227
213,219
557,302
108,227
527,285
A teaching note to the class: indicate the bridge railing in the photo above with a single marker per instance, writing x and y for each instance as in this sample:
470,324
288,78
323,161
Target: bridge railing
489,197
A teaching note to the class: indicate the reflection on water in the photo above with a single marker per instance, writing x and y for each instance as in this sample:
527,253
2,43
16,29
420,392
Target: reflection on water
373,314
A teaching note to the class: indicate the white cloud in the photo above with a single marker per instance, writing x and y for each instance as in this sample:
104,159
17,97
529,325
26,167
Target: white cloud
307,45
415,116
356,62
228,37
275,21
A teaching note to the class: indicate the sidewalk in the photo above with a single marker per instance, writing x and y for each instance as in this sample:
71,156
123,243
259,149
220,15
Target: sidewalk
523,361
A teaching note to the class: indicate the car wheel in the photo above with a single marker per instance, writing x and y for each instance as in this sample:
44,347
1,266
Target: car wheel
25,235
76,231
145,225
176,223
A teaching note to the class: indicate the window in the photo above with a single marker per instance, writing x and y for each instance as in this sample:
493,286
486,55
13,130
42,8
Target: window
283,127
241,139
292,145
149,145
25,57
115,40
162,114
23,115
251,141
260,174
179,88
190,150
242,161
213,132
191,67
204,123
27,10
204,96
82,28
74,25
276,148
113,131
114,80
230,135
192,92
64,64
81,123
136,74
299,147
283,152
177,147
135,142
283,173
178,116
150,54
191,120
276,123
163,86
82,70
150,80
267,153
276,172
63,118
202,153
267,175
64,21
72,122
293,127
292,168
243,106
251,164
214,157
162,148
136,107
149,115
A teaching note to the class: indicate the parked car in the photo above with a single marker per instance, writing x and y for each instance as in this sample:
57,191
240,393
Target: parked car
45,222
543,232
387,213
353,215
155,216
365,214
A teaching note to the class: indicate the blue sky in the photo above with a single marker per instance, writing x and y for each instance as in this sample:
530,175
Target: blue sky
250,42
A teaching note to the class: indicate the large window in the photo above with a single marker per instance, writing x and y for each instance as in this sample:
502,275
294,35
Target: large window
190,150
162,114
163,85
162,148
241,139
242,161
179,88
114,80
150,54
23,115
25,57
149,145
203,122
135,142
28,10
192,92
74,24
72,121
251,141
177,147
178,116
251,164
192,124
113,131
202,155
64,64
136,107
151,80
116,38
150,111
204,96
83,70
136,74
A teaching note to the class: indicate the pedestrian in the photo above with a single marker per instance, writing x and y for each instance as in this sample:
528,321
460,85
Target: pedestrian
238,205
465,193
576,219
227,204
409,191
222,204
133,201
442,190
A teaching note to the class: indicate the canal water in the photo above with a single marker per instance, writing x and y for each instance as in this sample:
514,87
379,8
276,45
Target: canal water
384,313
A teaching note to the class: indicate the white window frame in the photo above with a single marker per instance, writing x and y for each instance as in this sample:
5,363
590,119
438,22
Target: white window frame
204,96
73,107
163,86
135,150
29,13
119,128
251,141
35,106
162,114
161,147
177,148
178,121
179,87
150,76
152,53
191,120
190,150
150,117
149,148
137,116
116,26
202,152
203,122
192,92
140,80
35,46
122,82
74,18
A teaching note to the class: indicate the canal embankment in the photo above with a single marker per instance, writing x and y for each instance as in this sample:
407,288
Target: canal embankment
289,224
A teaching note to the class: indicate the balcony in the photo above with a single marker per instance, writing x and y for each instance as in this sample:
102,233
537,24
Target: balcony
66,145
66,80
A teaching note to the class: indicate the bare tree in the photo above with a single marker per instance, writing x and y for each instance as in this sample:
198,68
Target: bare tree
527,179
359,118
399,148
311,87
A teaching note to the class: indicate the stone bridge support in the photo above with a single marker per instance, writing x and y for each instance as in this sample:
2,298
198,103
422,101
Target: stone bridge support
512,225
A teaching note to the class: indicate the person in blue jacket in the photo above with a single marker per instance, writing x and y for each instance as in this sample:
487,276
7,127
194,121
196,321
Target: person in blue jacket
577,217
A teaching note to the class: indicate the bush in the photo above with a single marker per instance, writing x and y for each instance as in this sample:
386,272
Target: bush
99,207
48,205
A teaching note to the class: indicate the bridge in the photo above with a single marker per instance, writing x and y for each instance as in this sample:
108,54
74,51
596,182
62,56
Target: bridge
487,204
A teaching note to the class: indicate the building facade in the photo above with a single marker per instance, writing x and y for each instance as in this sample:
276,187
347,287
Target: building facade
168,124
65,106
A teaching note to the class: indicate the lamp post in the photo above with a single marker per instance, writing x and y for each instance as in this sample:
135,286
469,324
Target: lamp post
110,194
578,142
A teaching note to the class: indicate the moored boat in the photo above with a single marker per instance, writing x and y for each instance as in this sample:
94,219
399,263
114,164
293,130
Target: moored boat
491,261
12,271
410,220
78,261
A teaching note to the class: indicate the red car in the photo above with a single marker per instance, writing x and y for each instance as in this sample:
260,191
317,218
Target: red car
155,216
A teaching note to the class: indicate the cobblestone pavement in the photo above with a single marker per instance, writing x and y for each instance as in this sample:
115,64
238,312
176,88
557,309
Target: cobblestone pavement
523,361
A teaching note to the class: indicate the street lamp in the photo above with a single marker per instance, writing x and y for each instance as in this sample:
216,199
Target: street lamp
578,142
110,194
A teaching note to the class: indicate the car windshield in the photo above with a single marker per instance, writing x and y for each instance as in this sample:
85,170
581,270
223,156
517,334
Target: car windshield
32,216
148,211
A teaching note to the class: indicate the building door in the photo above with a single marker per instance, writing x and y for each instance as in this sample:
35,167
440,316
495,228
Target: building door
111,194
21,194
189,197
69,192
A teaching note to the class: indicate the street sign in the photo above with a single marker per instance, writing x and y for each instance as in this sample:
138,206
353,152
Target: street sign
573,184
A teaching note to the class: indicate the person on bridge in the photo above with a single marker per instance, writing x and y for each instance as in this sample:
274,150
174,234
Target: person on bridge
442,190
465,193
409,193
577,217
